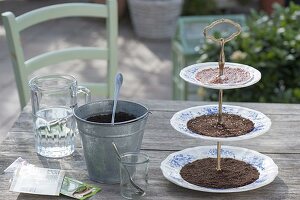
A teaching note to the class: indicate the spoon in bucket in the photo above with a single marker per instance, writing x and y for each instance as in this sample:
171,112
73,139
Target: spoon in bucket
118,85
140,191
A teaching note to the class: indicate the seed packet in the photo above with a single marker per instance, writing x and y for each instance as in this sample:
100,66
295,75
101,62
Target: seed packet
78,190
16,164
35,180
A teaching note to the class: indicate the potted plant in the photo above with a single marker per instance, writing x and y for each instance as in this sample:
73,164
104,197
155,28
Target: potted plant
155,19
199,7
122,4
267,5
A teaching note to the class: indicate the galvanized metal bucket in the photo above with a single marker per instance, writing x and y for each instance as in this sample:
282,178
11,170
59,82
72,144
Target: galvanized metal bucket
97,138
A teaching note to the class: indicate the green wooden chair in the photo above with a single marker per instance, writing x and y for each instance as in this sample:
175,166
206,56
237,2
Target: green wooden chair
186,48
23,68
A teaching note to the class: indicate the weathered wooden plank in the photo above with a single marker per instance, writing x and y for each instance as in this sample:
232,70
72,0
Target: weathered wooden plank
165,105
267,108
285,186
168,139
275,141
171,140
24,123
166,109
162,119
160,135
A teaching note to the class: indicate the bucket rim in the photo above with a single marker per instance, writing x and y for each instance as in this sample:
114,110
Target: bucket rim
116,123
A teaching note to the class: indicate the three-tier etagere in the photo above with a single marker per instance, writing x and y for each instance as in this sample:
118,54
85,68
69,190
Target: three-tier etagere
172,165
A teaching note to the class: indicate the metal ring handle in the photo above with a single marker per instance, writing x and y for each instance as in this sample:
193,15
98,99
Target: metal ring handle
220,21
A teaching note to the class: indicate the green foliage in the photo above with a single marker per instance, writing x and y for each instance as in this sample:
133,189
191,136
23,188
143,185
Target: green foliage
272,45
199,7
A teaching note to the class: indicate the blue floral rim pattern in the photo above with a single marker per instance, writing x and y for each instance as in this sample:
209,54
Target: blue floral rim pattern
261,122
172,165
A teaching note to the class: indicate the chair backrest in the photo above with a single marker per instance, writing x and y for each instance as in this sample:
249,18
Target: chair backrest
23,68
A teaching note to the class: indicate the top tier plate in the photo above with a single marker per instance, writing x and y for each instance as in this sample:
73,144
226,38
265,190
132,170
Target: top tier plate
189,74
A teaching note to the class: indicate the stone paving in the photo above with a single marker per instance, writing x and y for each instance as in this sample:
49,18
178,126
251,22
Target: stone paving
145,64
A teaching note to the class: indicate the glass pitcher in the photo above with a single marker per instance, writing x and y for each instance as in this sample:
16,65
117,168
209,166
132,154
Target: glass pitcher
53,99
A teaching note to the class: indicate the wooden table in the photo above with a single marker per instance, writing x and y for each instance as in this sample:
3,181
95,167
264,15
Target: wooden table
281,143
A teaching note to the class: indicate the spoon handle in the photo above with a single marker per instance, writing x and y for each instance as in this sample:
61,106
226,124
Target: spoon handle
118,84
140,192
116,151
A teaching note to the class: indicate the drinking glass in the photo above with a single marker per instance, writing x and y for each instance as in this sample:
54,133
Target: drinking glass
53,99
134,165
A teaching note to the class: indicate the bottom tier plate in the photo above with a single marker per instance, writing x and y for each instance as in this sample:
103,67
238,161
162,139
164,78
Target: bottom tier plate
172,165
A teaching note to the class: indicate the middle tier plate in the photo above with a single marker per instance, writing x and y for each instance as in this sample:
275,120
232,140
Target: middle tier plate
189,74
261,122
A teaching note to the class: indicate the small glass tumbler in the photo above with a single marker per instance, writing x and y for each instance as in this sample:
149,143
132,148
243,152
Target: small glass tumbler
134,165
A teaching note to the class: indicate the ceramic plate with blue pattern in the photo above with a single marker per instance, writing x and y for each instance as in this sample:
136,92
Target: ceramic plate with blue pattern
172,165
261,122
189,74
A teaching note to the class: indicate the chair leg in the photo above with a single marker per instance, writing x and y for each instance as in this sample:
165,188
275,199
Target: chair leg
175,62
179,86
183,88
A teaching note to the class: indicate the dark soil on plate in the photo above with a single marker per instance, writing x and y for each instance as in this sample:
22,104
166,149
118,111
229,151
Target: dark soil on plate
120,117
230,76
232,126
233,174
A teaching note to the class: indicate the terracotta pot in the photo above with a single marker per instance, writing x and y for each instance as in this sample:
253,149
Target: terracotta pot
267,5
121,6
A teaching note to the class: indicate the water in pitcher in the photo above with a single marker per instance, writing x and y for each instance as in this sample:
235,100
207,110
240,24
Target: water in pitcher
55,129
